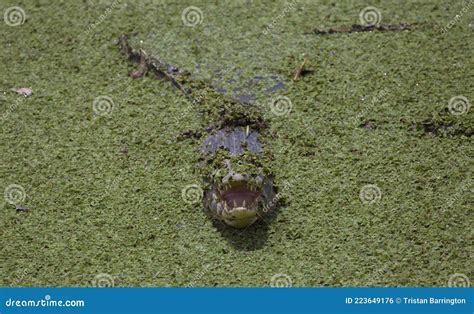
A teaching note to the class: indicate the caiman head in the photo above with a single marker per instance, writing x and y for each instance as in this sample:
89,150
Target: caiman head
240,199
238,176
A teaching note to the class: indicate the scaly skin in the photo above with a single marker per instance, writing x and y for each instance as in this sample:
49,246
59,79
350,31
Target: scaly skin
235,160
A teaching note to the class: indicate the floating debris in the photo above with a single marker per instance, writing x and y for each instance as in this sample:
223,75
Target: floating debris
142,67
301,71
356,28
20,208
23,91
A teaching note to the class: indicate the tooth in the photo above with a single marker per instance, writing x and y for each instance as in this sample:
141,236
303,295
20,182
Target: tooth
235,203
243,204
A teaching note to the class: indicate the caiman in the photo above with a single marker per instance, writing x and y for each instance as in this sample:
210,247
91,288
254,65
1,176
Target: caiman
235,159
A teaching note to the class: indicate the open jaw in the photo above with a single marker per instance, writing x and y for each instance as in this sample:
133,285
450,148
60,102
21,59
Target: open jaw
237,203
240,199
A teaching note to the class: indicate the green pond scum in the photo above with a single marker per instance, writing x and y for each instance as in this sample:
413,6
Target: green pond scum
371,148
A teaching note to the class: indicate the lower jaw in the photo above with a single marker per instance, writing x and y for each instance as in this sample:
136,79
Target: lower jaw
241,222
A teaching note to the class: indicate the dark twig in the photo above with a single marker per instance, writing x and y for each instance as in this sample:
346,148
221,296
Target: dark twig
161,69
356,28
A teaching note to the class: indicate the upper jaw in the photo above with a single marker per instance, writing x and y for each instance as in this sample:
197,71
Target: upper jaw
239,195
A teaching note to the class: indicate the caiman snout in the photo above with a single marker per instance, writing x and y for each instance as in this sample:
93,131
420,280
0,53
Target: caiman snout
238,200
